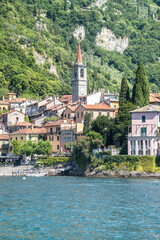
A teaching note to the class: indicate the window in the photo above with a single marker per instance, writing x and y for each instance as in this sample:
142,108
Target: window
100,113
78,115
11,139
143,118
21,138
91,114
69,116
3,108
21,110
57,147
58,131
30,137
115,106
65,115
81,114
159,118
16,138
108,114
144,132
57,138
17,118
82,73
51,138
51,131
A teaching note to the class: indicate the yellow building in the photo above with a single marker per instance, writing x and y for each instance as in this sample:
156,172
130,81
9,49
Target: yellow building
114,104
10,96
4,144
28,134
4,105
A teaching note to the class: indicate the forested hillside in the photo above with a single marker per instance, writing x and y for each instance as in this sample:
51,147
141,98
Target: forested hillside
37,46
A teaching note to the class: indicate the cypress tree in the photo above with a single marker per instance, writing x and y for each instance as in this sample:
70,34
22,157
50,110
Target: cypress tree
87,122
65,5
124,93
140,96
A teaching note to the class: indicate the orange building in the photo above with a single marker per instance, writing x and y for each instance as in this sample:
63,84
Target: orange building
95,110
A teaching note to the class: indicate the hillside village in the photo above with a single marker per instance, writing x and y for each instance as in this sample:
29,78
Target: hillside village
61,120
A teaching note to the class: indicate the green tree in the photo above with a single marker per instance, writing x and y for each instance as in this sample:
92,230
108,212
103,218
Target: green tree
124,93
72,5
104,126
140,96
95,138
65,5
16,146
43,148
122,125
26,118
28,148
82,151
87,122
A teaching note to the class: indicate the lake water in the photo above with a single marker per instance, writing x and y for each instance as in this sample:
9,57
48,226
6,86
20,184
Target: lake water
79,208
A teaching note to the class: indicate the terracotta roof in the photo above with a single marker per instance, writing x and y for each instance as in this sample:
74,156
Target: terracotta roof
59,122
79,56
4,102
72,108
13,111
99,106
11,93
148,108
58,108
153,99
30,131
18,100
55,106
66,98
4,137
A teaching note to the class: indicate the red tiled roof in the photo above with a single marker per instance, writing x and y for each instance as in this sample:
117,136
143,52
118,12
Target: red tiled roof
72,108
55,106
11,93
4,137
4,102
18,100
153,99
66,98
99,106
30,131
57,123
58,108
13,111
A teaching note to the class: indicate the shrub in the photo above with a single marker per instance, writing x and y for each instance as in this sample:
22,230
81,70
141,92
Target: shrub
146,163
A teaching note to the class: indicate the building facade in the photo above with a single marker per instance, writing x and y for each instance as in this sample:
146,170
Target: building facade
144,138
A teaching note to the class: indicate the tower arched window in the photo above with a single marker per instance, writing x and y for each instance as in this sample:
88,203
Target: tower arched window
82,73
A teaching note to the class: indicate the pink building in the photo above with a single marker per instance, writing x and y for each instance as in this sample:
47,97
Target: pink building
144,138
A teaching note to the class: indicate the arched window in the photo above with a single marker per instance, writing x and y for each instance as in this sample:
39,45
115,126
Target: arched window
82,73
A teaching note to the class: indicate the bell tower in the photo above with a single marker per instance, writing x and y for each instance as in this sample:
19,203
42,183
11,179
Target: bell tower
79,78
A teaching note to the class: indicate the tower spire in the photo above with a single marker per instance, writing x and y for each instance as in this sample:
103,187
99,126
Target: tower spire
79,56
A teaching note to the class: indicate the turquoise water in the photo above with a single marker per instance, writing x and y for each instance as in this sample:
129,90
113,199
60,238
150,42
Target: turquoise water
79,208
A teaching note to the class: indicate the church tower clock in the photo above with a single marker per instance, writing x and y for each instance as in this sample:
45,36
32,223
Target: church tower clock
79,78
